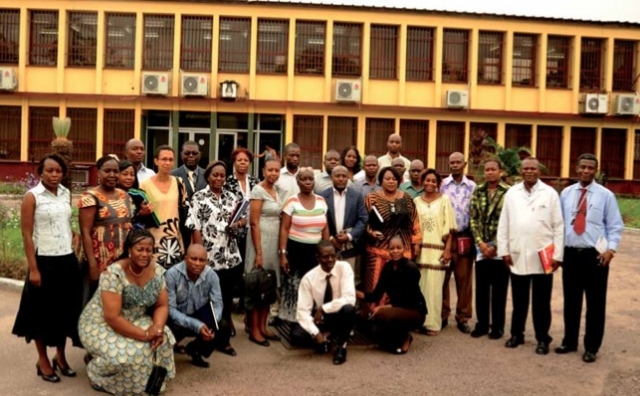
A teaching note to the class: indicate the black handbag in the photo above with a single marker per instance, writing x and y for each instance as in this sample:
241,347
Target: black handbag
260,286
156,378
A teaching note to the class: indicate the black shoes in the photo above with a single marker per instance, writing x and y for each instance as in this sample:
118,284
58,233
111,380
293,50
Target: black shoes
49,378
340,355
196,358
98,388
562,349
589,357
272,337
495,335
464,327
66,371
542,348
323,348
478,332
228,350
263,343
275,321
513,342
445,323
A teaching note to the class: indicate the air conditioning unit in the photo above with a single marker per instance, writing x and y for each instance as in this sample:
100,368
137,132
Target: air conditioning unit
348,91
457,99
594,103
155,83
195,85
8,80
229,90
627,104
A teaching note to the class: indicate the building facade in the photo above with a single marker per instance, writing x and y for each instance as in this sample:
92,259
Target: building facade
244,74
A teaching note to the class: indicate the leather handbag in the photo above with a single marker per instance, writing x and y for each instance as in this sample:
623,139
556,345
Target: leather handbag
156,378
260,286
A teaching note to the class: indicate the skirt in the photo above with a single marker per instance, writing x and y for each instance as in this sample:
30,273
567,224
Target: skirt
302,258
50,313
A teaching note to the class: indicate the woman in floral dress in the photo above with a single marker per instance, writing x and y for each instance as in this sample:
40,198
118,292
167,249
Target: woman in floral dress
209,216
123,341
168,196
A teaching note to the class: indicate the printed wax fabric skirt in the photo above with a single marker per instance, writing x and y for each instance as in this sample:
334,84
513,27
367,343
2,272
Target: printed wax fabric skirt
50,313
302,258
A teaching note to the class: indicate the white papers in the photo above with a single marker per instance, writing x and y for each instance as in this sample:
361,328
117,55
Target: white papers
375,210
602,245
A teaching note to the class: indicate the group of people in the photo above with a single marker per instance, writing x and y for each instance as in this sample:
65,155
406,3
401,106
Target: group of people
367,240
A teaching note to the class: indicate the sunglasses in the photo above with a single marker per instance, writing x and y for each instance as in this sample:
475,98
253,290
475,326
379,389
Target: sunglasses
190,153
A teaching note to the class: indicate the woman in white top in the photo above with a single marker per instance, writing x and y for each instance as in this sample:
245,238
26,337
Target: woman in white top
51,298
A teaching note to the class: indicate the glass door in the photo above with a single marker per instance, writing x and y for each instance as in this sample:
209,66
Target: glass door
202,137
227,142
262,140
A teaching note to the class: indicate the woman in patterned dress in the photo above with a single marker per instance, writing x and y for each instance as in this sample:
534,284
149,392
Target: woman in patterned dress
105,218
437,222
398,217
123,341
262,243
168,196
51,298
209,216
303,225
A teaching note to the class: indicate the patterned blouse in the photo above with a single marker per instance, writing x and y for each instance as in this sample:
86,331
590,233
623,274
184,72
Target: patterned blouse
210,215
52,235
306,225
460,195
485,212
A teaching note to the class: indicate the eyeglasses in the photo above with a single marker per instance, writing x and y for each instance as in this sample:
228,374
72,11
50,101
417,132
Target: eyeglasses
190,153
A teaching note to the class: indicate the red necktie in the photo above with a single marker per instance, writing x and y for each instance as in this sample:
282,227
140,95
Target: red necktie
580,222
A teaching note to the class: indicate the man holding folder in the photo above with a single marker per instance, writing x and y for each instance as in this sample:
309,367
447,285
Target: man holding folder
195,304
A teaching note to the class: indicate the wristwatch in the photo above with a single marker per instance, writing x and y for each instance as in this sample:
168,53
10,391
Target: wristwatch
282,251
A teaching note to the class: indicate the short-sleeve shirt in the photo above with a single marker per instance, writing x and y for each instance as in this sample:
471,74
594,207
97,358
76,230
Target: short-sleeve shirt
52,235
306,225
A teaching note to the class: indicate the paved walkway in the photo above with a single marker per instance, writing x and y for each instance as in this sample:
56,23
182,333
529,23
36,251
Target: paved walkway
449,364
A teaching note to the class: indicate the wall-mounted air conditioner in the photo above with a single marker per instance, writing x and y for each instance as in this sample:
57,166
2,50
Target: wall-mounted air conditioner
348,91
194,85
594,103
627,104
457,99
155,83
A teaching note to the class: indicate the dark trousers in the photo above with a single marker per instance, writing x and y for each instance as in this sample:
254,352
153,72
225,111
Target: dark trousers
394,324
228,279
462,268
339,324
204,348
492,283
583,274
540,287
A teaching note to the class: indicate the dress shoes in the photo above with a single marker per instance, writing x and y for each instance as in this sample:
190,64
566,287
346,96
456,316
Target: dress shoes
49,378
66,371
478,332
542,348
272,337
445,323
495,335
323,348
196,358
340,355
562,349
513,342
464,327
589,357
263,343
275,321
228,350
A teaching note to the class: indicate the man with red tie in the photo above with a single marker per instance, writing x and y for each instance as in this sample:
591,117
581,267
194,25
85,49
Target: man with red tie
593,228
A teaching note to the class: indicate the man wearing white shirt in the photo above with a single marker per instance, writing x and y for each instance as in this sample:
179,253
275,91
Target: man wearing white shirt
323,179
531,219
287,185
134,152
326,300
394,145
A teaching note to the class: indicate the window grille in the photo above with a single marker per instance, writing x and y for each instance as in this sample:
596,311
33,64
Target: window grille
273,45
158,42
310,47
40,131
525,48
347,51
342,132
82,28
636,156
307,132
449,139
419,54
624,65
9,36
517,135
612,156
235,45
195,51
455,57
43,38
558,58
10,132
119,126
83,133
384,52
549,148
490,47
415,138
583,140
120,51
377,131
591,64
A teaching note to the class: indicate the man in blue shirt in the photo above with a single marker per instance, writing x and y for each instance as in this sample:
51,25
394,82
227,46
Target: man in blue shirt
593,228
194,288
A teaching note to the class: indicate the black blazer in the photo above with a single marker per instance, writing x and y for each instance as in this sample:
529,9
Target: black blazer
200,183
355,217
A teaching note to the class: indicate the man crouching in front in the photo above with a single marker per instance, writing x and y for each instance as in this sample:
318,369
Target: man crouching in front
326,300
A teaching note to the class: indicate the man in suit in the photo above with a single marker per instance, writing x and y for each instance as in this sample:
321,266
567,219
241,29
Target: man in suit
593,229
346,216
192,176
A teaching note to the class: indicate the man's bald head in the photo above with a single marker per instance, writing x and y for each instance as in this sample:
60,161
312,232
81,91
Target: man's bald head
196,260
134,152
415,170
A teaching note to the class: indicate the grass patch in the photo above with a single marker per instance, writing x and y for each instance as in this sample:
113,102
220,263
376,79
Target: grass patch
13,263
630,209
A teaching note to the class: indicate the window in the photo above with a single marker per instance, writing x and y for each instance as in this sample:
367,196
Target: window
83,133
449,139
480,132
517,136
40,132
273,45
624,67
415,136
612,156
10,129
347,52
195,49
591,64
377,131
455,57
490,57
310,40
9,36
525,48
558,56
158,42
235,45
307,132
419,61
119,125
342,132
121,41
43,38
83,38
636,156
383,52
583,140
549,148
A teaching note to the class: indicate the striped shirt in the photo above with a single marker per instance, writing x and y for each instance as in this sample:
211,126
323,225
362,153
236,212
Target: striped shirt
306,225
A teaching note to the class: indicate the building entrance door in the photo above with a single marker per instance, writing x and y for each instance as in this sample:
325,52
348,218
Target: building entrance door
227,142
201,136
